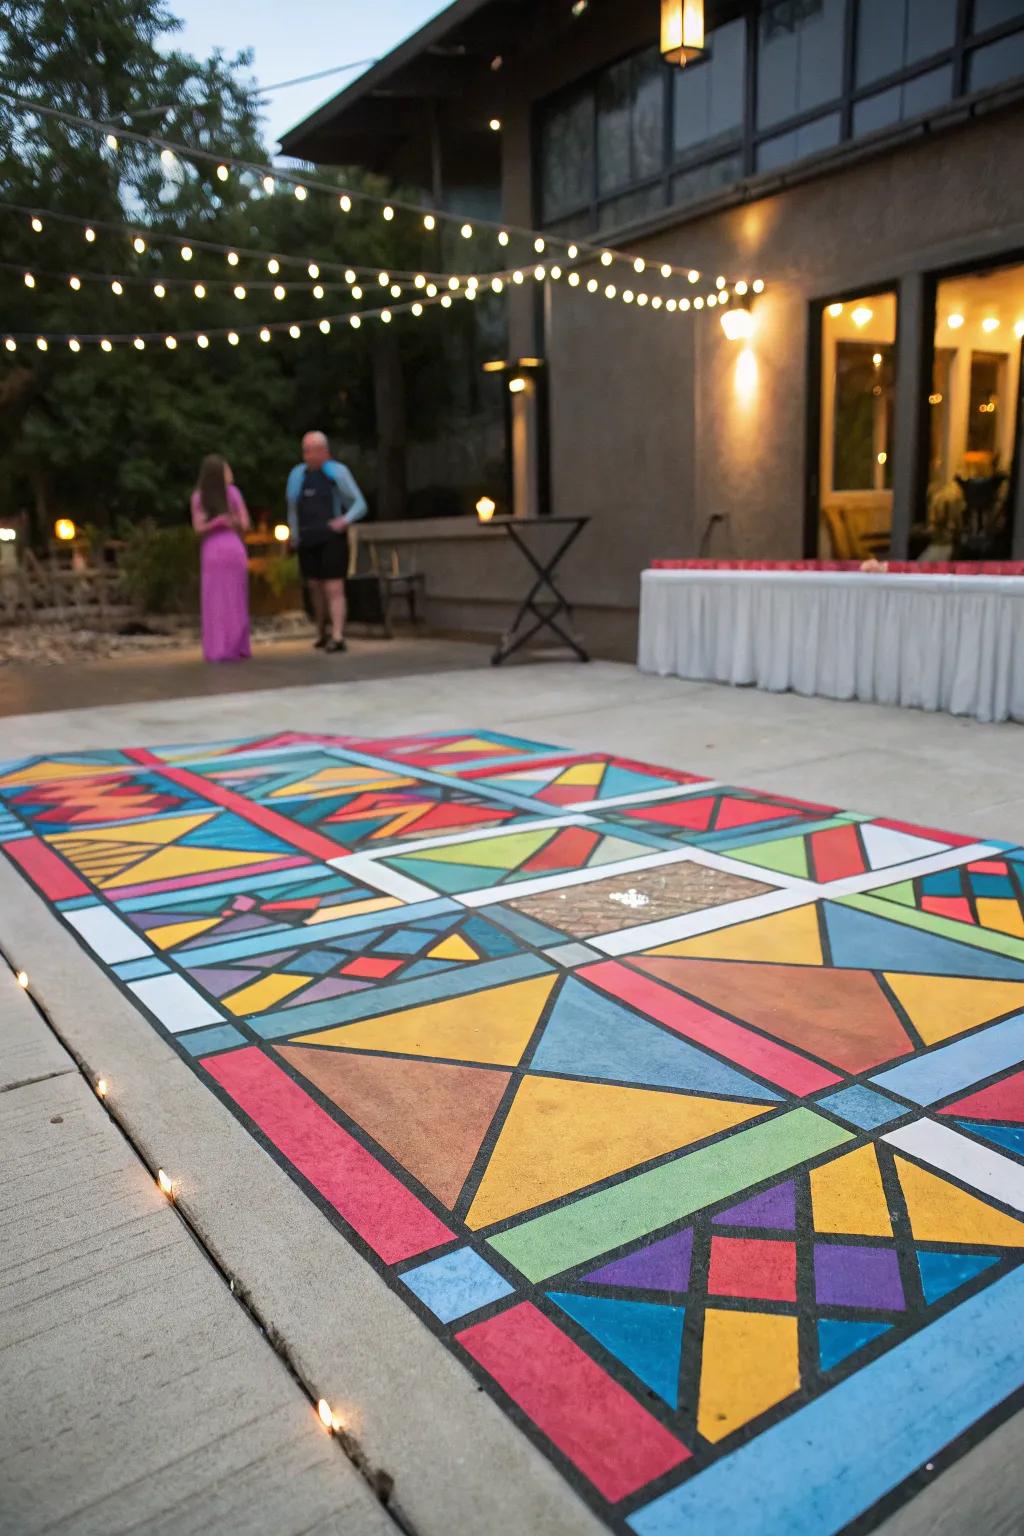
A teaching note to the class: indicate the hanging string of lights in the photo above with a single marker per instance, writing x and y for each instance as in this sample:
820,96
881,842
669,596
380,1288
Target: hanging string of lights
300,186
397,283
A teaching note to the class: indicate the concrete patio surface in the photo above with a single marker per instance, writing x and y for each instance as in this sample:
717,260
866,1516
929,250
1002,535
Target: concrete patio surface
212,1430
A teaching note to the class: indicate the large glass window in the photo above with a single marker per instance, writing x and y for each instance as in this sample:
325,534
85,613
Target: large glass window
994,65
708,99
892,34
996,13
630,122
567,158
901,102
858,379
800,57
973,410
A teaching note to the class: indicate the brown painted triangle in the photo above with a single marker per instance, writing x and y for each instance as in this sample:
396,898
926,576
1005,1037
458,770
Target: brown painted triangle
429,1115
842,1017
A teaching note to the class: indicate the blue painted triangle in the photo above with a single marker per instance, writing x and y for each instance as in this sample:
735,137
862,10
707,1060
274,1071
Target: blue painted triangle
451,878
646,1337
1009,1136
591,1035
620,781
837,1340
427,968
945,1272
860,940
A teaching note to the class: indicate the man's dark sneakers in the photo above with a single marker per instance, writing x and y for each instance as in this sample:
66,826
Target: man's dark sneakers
333,646
320,643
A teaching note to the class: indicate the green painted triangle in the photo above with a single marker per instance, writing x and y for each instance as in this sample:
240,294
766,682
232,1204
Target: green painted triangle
787,856
903,892
612,850
492,852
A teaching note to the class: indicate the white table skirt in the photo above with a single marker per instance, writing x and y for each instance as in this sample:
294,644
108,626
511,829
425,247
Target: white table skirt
954,643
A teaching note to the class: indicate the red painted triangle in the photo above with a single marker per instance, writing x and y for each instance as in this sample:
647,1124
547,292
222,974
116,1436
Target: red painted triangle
1003,1101
741,813
570,849
693,814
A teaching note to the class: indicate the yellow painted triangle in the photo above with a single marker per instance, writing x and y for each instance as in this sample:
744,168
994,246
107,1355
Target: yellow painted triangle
489,852
169,863
329,781
942,1213
39,772
264,993
353,909
177,933
474,743
749,1362
583,773
562,1135
453,948
1003,915
942,1006
788,938
490,1026
847,1196
166,829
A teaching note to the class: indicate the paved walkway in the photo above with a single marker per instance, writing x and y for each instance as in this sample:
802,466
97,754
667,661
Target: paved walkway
410,1406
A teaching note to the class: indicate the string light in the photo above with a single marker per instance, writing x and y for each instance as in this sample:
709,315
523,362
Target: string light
222,173
167,158
387,214
385,316
233,338
453,284
758,285
30,281
37,225
693,276
90,235
106,346
318,292
203,341
429,221
279,291
239,292
502,237
417,309
294,332
639,265
42,343
497,286
666,271
383,278
111,141
264,334
159,291
170,342
719,282
573,252
186,253
350,276
75,282
139,344
139,245
11,344
357,292
323,1408
574,279
345,203
117,287
325,327
539,273
74,344
313,269
268,184
396,290
300,193
199,291
517,277
556,273
232,258
466,231
273,266
446,302
539,244
606,258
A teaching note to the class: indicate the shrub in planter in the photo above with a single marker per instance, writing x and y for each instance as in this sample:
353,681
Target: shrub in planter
159,568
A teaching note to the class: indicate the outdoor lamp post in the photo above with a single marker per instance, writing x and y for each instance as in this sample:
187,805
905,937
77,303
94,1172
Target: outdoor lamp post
682,31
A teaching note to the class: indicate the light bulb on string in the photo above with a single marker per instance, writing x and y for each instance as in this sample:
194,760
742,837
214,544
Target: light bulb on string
698,302
139,344
517,277
656,302
294,332
170,342
37,224
610,291
384,278
199,291
355,322
159,291
30,281
642,299
639,265
239,292
396,291
453,284
167,158
116,287
106,346
719,282
268,184
446,302
11,344
233,338
111,141
417,309
203,341
273,266
222,173
357,292
593,285
431,290
466,231
573,252
300,193
628,296
419,281
318,291
671,306
264,334
556,273
385,317
279,291
666,270
313,269
345,203
497,285
75,344
186,253
42,343
574,279
502,237
429,222
684,305
325,327
90,235
693,276
387,213
138,245
75,283
540,274
758,285
539,244
232,258
742,288
606,258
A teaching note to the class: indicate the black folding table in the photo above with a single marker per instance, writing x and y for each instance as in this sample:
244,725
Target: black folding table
544,611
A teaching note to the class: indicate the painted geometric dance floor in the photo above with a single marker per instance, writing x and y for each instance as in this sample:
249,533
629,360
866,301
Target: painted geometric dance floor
690,1118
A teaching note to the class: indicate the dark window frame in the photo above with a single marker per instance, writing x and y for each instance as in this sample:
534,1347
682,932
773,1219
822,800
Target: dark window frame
586,216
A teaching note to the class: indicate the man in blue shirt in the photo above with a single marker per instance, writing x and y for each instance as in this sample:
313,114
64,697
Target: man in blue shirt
323,502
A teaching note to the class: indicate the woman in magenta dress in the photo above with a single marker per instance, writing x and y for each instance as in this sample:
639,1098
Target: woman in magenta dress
220,517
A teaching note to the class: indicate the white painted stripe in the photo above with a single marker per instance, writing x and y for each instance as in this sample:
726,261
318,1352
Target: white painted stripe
363,868
175,1003
946,1150
693,924
642,797
544,883
875,879
731,866
107,936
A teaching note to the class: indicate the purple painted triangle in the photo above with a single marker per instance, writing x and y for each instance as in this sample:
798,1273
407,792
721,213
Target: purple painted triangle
332,987
220,981
267,962
664,1266
244,924
774,1208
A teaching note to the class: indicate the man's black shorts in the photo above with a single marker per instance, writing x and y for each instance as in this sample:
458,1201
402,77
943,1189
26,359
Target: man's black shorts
327,561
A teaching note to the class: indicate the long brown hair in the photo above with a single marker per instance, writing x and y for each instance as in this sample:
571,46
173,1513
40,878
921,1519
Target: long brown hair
212,487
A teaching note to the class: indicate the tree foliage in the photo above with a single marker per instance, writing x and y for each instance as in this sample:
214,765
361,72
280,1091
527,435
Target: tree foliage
107,436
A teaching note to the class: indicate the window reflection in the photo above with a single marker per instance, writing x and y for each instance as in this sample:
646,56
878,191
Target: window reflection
858,373
708,99
892,34
800,60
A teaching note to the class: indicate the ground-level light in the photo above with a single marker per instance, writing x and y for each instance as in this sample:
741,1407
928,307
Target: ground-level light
282,533
516,385
64,529
486,508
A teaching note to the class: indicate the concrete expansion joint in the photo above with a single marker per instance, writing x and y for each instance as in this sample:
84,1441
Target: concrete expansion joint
27,1082
380,1482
